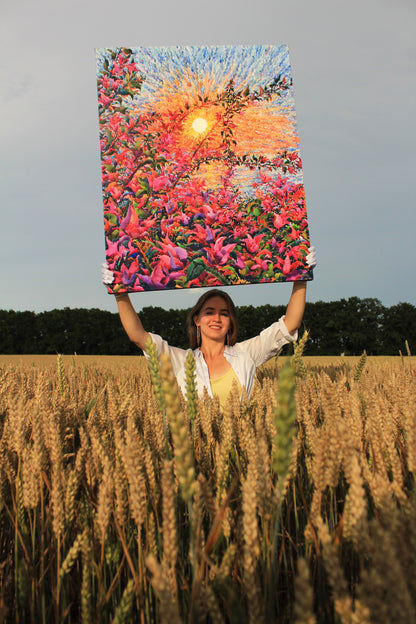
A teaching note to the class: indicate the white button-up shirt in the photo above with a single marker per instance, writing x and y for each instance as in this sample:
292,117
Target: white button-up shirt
245,357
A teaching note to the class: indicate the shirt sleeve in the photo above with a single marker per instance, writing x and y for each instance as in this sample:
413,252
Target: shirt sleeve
268,343
177,356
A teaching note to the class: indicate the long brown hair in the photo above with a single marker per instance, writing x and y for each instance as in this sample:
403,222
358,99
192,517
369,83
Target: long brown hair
214,292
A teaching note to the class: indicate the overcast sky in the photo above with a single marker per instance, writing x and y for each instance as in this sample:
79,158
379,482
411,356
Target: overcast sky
354,73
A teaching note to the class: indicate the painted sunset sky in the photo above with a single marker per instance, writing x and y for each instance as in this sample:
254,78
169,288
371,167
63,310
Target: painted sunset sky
178,76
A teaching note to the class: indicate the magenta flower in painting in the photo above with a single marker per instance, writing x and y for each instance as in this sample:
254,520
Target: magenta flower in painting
218,253
174,259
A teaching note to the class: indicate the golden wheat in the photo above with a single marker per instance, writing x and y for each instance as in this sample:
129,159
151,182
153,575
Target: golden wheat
121,503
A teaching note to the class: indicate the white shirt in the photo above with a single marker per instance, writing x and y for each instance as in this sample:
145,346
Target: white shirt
245,357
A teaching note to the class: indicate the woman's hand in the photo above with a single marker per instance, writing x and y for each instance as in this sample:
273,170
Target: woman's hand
311,259
129,319
107,276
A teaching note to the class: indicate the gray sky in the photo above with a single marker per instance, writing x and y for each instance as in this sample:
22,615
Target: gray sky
354,72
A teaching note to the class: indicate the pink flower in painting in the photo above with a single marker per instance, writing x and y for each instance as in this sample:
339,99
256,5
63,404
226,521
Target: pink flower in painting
261,264
173,258
104,99
279,221
239,263
113,249
202,234
157,280
131,225
117,68
240,230
114,190
252,244
296,252
265,178
158,183
278,192
267,203
210,214
219,253
133,185
160,277
286,266
223,216
291,269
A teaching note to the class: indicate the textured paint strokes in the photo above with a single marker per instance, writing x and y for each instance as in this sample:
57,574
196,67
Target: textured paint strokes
201,169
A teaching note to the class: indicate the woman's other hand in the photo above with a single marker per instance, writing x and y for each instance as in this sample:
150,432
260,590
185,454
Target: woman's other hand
107,276
311,259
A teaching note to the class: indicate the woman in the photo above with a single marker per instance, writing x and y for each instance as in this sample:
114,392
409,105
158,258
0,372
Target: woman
213,326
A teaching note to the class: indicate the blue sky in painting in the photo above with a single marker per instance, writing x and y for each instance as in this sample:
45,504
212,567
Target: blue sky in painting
248,64
163,68
354,73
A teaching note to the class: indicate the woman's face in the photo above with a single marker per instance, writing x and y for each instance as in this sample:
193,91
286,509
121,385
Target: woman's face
214,319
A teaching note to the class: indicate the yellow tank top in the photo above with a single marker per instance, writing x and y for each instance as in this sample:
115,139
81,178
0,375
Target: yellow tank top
221,387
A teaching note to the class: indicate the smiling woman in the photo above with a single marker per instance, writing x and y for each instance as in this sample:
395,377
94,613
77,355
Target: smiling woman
220,361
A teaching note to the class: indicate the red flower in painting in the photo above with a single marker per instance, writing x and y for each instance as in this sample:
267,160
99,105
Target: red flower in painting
279,221
252,244
202,234
104,99
115,190
218,253
157,183
286,265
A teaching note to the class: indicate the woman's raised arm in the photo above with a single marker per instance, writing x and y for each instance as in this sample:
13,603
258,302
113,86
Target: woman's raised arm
295,307
131,322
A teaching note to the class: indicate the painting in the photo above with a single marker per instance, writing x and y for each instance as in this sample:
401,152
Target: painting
201,169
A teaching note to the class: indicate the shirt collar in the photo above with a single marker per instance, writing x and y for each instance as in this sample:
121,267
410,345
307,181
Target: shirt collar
227,351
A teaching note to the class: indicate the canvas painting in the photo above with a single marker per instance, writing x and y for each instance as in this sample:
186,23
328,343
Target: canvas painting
201,169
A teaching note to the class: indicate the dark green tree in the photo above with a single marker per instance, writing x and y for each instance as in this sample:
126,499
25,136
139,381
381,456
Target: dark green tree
347,326
399,325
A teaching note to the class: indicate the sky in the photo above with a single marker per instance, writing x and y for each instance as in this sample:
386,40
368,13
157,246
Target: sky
354,75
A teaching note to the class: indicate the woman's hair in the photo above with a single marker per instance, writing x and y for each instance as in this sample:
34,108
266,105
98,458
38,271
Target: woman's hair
232,335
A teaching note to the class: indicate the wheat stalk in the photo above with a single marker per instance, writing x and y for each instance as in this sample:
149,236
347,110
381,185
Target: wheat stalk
180,433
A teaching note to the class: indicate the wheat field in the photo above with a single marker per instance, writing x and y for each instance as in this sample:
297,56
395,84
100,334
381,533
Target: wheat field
123,501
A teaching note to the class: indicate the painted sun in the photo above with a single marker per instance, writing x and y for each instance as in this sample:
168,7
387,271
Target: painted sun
200,123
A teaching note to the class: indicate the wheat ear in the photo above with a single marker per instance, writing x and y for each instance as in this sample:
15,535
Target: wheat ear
180,433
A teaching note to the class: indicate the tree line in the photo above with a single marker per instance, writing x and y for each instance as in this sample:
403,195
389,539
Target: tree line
348,326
